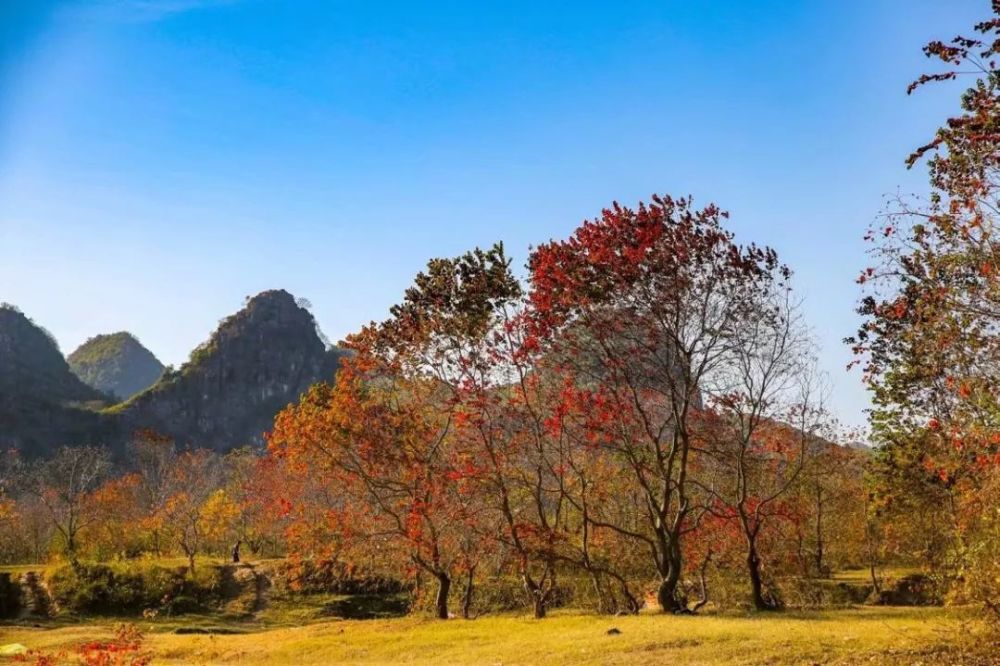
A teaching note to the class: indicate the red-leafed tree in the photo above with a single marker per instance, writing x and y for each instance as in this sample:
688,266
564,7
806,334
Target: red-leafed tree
512,455
641,307
256,484
385,433
380,444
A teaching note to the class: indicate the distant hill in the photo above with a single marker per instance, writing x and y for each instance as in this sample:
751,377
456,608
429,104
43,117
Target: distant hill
258,361
116,364
32,365
42,403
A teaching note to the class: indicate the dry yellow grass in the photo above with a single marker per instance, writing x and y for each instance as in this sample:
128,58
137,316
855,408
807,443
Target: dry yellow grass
862,635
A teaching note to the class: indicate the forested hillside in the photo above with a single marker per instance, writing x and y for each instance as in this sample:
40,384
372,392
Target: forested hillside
116,364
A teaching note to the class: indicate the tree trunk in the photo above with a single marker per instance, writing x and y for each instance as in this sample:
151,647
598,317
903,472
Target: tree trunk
444,589
756,583
604,604
632,605
666,595
876,583
539,599
467,596
191,563
703,582
672,561
819,533
540,609
71,548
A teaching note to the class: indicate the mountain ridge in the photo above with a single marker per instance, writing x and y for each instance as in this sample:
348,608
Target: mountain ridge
258,360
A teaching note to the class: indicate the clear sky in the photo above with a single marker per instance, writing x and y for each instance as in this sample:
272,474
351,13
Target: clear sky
162,159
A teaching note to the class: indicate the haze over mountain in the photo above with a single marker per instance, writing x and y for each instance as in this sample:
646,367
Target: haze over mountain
258,360
115,363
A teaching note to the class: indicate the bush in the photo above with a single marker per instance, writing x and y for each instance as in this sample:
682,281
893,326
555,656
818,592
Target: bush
497,594
979,575
128,589
912,590
331,577
492,595
821,593
368,606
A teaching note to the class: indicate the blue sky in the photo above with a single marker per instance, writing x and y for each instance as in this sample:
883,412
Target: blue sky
162,159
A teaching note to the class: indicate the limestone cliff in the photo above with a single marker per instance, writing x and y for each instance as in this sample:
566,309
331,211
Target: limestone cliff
258,361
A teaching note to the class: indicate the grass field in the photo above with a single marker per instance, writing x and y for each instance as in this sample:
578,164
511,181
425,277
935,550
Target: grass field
861,635
308,629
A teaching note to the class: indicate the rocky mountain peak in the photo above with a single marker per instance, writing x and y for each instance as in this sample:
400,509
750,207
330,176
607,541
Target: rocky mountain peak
256,362
116,363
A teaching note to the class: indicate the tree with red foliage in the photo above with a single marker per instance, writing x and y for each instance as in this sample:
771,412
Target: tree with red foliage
385,431
511,456
257,485
641,307
381,445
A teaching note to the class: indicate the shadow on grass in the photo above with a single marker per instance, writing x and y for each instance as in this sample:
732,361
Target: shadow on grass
367,607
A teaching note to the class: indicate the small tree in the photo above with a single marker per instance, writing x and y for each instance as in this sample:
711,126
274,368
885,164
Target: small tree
250,484
117,511
764,413
63,484
185,516
154,458
387,432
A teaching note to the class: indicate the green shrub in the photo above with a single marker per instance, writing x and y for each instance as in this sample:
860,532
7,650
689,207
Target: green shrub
912,590
132,588
499,594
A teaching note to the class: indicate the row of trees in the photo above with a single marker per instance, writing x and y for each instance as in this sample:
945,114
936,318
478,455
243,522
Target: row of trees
79,504
647,406
643,415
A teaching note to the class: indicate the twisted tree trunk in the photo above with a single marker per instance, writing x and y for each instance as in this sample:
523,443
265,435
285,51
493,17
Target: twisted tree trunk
444,589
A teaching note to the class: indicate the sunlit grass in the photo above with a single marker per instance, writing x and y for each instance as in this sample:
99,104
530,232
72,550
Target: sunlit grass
872,635
300,629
